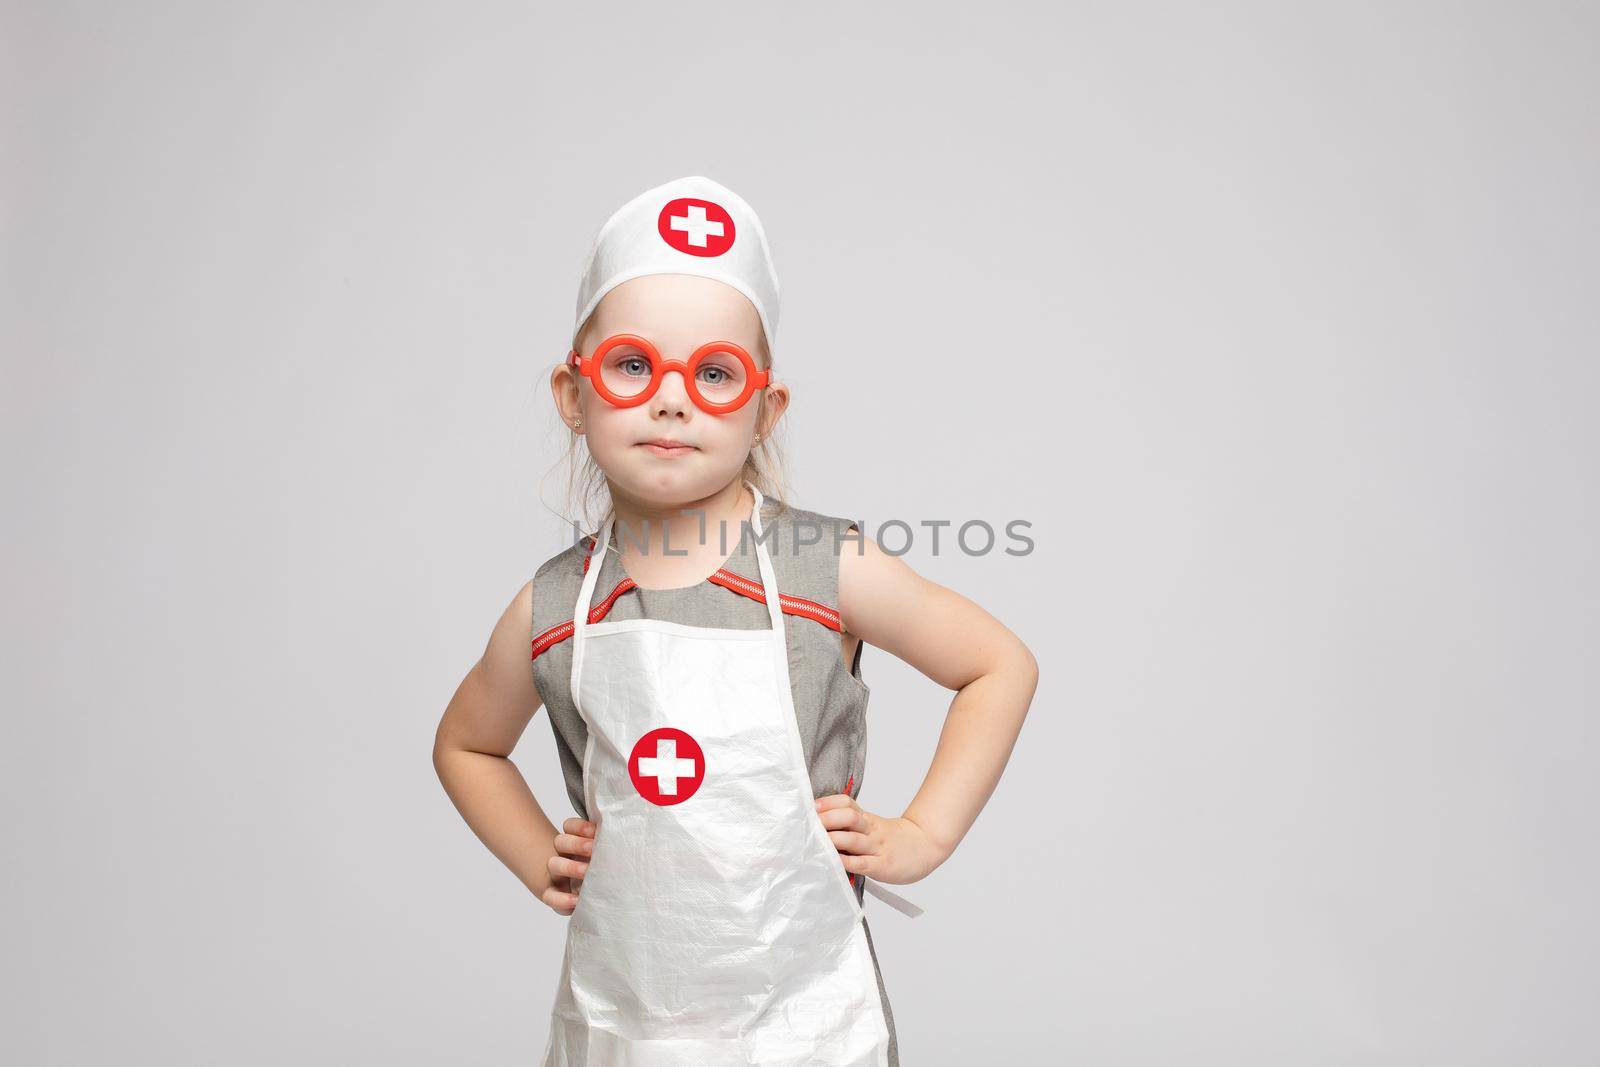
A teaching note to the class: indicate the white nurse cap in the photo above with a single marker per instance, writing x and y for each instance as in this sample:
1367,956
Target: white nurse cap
687,226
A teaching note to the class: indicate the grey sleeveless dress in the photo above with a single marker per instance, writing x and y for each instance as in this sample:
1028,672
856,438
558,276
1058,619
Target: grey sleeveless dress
830,700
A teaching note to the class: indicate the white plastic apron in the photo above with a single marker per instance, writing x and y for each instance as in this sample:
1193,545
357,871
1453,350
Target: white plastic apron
720,928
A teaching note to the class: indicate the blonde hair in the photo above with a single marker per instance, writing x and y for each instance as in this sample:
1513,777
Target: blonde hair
586,482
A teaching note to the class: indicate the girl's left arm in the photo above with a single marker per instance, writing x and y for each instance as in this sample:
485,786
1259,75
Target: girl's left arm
956,643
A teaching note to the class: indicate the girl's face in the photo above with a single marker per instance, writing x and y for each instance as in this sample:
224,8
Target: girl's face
677,313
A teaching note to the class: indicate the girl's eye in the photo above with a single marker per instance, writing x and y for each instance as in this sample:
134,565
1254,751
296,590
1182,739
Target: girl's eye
635,365
718,375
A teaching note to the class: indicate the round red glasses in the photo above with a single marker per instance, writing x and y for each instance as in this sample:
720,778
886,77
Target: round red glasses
626,370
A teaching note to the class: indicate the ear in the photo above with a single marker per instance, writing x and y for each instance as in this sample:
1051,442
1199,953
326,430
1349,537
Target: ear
567,391
774,402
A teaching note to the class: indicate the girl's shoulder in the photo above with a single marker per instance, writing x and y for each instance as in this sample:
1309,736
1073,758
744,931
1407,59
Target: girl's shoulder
803,531
570,558
805,545
557,582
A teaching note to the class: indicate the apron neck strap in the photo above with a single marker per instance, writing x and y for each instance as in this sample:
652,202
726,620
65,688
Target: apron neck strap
769,579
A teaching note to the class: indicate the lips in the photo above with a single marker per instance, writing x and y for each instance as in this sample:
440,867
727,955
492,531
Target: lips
663,446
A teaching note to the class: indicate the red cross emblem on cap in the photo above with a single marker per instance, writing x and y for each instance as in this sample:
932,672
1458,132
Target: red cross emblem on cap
667,766
698,227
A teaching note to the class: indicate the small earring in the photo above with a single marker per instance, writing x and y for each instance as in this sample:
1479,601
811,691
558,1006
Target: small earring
576,423
758,439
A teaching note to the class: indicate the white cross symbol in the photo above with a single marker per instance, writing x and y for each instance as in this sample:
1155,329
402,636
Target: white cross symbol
665,767
696,225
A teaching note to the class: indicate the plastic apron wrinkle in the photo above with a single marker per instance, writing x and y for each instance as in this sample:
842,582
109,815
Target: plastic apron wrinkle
716,924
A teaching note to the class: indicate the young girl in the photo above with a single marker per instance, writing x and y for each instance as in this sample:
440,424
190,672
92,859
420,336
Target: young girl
700,660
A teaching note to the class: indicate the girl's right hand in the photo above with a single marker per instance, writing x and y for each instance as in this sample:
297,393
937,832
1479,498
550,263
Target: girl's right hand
569,865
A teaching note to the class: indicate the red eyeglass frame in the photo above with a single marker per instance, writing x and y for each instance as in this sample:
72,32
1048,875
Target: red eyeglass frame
589,367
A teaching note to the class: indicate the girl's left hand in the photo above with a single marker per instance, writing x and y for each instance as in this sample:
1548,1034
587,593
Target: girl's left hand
896,851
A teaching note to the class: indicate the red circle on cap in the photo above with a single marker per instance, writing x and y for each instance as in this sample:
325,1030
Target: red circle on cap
698,227
666,766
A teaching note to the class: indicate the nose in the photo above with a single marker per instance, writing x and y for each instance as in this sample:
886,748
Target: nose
672,396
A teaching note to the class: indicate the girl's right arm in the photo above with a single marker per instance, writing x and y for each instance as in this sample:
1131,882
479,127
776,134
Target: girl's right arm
471,753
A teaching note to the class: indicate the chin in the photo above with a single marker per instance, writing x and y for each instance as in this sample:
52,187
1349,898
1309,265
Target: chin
673,481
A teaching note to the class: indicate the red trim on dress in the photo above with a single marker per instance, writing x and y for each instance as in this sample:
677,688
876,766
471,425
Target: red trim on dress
738,583
563,630
790,605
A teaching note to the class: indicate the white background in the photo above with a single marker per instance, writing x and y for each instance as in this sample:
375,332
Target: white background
1277,322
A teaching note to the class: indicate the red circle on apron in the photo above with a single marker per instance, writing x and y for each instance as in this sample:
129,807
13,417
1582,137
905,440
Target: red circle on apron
698,227
666,766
